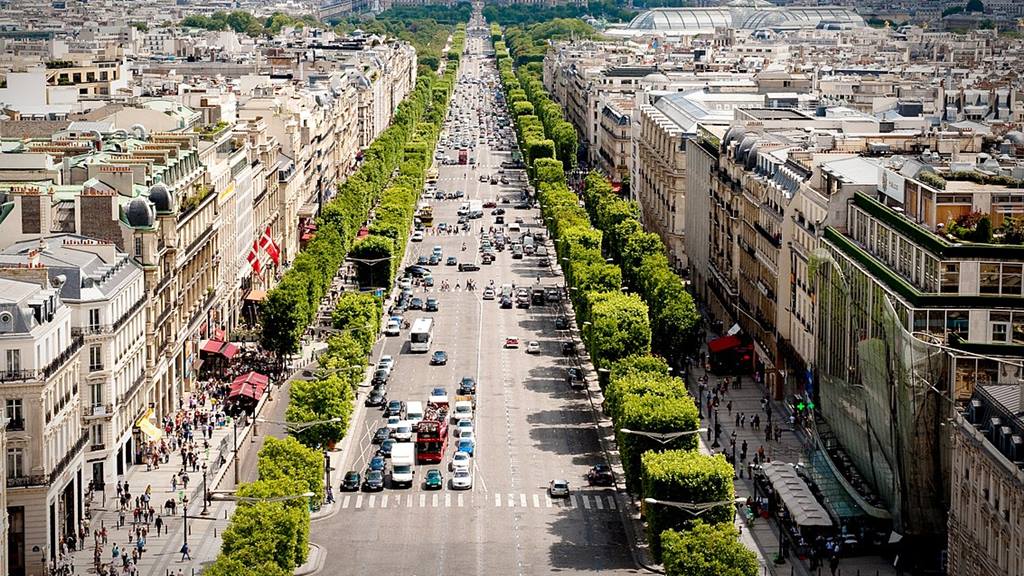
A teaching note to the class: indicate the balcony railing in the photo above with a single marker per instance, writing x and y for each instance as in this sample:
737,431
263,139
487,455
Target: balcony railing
15,425
92,330
131,391
70,455
62,359
45,479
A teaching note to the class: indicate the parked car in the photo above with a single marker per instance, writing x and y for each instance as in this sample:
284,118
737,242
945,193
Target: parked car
601,475
558,489
574,378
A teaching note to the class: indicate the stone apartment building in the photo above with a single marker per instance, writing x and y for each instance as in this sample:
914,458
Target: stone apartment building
105,290
45,439
986,531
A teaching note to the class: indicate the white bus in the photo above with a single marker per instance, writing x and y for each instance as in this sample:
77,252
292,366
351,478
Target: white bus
421,334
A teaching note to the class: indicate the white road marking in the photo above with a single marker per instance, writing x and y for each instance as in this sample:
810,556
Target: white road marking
511,500
460,500
433,500
447,500
408,501
384,500
344,501
373,498
547,501
586,501
423,500
571,501
497,500
599,502
611,503
536,501
522,500
359,501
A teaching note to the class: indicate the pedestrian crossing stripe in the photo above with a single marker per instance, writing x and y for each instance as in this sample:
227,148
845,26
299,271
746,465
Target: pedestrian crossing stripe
584,502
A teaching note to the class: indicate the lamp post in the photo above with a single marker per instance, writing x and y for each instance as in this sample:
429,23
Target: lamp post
231,497
206,493
663,437
184,515
234,422
692,508
717,429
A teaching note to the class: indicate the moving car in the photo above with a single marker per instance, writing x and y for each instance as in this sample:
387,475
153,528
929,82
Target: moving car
440,358
416,304
462,480
417,236
488,294
533,347
394,408
386,447
463,426
394,328
601,475
433,480
377,463
506,302
403,433
467,385
568,348
460,461
374,481
380,377
350,481
469,267
438,396
574,378
466,446
382,434
386,362
511,342
562,323
430,305
558,489
452,261
376,398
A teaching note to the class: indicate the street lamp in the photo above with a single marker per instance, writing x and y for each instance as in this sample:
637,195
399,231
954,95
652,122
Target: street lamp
206,493
222,497
298,426
693,508
663,437
184,515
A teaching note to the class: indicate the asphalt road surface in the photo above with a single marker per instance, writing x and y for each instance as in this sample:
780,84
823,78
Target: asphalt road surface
530,427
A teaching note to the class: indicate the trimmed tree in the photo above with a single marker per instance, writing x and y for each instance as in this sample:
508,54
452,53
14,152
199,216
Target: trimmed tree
707,550
690,477
283,459
318,400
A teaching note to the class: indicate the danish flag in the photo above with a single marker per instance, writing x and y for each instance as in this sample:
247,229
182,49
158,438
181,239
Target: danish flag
267,243
254,258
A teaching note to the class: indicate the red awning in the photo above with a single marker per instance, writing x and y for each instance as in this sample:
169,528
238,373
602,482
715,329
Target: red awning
229,350
251,384
724,343
219,334
212,346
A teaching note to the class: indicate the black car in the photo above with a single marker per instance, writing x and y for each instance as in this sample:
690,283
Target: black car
498,211
379,377
601,475
376,398
394,408
350,482
416,304
382,433
430,305
568,348
467,385
374,481
422,261
452,261
468,267
506,302
385,448
562,323
523,206
417,271
440,358
574,378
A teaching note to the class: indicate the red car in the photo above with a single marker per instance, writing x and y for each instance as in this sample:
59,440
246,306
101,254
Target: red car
490,204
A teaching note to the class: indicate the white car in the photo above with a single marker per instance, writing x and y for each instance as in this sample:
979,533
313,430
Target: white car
488,294
405,283
463,410
467,435
393,423
417,236
462,480
460,461
386,362
462,426
533,347
393,328
403,432
438,396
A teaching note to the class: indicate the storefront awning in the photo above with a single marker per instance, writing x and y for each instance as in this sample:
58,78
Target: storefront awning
250,384
219,334
722,344
805,510
148,427
225,349
256,295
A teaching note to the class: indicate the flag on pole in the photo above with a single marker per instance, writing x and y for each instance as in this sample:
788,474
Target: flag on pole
254,258
267,243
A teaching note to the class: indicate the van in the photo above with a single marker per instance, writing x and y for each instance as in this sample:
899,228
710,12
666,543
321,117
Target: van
414,412
506,291
528,245
514,228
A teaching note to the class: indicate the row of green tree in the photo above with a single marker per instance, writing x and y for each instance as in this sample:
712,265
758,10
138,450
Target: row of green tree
529,43
291,306
640,393
245,23
424,27
269,532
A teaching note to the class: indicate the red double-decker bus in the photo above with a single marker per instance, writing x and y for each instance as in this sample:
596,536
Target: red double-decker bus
431,440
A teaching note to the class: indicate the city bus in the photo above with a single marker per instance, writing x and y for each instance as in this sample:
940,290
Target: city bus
425,215
432,174
421,335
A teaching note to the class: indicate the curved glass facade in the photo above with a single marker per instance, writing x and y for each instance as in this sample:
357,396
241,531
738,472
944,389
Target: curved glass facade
747,16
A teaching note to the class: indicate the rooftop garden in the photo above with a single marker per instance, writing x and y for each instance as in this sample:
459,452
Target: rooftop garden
939,181
210,130
977,227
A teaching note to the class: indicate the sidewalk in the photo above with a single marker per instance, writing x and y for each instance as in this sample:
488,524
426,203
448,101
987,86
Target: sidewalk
162,552
762,535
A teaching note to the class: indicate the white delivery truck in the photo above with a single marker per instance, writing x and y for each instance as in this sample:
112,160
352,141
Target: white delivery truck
414,412
476,209
403,456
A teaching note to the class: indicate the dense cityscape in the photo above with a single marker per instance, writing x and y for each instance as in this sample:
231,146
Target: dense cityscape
512,287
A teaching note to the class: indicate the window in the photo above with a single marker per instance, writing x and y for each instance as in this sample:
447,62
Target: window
15,462
950,277
14,412
1000,332
1011,279
96,434
95,358
96,393
13,361
138,247
94,318
988,279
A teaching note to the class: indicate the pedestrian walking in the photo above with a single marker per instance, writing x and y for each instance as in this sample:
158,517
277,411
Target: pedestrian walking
728,406
185,553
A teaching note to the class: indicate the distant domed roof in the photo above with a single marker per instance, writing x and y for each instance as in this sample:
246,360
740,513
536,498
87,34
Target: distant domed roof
140,213
656,77
160,196
1016,137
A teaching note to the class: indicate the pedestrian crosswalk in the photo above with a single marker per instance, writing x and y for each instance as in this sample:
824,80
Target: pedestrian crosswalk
593,502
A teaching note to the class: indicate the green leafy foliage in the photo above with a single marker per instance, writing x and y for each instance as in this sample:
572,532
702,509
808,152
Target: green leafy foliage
316,401
707,550
287,459
688,477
